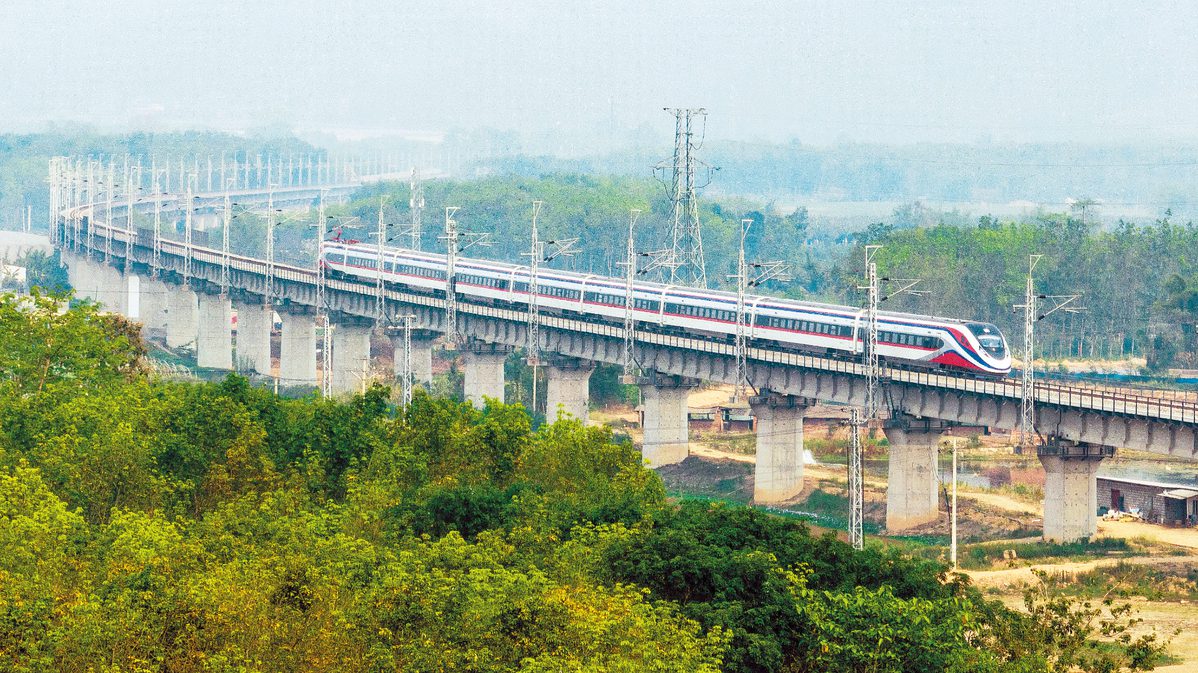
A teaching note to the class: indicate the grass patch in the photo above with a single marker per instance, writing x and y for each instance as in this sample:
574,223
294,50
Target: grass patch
745,444
1156,583
828,510
986,554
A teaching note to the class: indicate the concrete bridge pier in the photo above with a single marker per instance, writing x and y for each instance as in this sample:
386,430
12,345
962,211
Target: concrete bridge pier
568,389
484,372
90,277
182,317
112,289
254,321
664,419
82,274
351,356
1070,489
297,348
778,475
153,303
911,483
422,355
214,335
75,276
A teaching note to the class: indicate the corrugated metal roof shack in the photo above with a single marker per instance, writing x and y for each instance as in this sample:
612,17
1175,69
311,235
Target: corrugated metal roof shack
1170,504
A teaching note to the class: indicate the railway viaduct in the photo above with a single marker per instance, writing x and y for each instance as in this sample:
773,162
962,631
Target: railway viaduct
191,290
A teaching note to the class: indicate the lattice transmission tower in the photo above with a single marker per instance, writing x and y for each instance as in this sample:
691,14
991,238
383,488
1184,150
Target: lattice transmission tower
687,265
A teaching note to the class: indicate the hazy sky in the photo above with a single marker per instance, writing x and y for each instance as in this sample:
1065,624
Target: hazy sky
817,71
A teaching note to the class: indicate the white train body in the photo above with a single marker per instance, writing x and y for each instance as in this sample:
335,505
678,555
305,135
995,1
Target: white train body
803,326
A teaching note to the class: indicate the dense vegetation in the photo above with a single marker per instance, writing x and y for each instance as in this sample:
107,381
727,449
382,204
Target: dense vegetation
594,209
149,526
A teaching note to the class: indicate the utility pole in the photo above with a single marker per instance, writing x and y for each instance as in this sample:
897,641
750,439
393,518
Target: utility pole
129,200
108,195
54,170
1031,315
872,389
451,291
224,243
91,207
742,281
187,234
416,205
156,255
453,246
536,251
688,265
1027,420
406,370
537,255
952,549
322,310
630,374
749,276
856,484
380,299
270,245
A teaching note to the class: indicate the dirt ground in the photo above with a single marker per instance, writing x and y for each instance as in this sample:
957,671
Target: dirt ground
1016,578
1181,537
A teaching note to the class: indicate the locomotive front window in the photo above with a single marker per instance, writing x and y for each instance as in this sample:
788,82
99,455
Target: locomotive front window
989,338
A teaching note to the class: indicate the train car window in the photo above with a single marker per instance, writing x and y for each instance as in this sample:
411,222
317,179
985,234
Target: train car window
647,304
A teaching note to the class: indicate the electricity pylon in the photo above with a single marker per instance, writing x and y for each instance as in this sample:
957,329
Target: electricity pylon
1027,387
539,252
688,266
873,377
749,275
455,242
657,259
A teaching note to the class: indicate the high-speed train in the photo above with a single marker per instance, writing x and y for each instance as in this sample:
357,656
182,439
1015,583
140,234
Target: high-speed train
923,341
